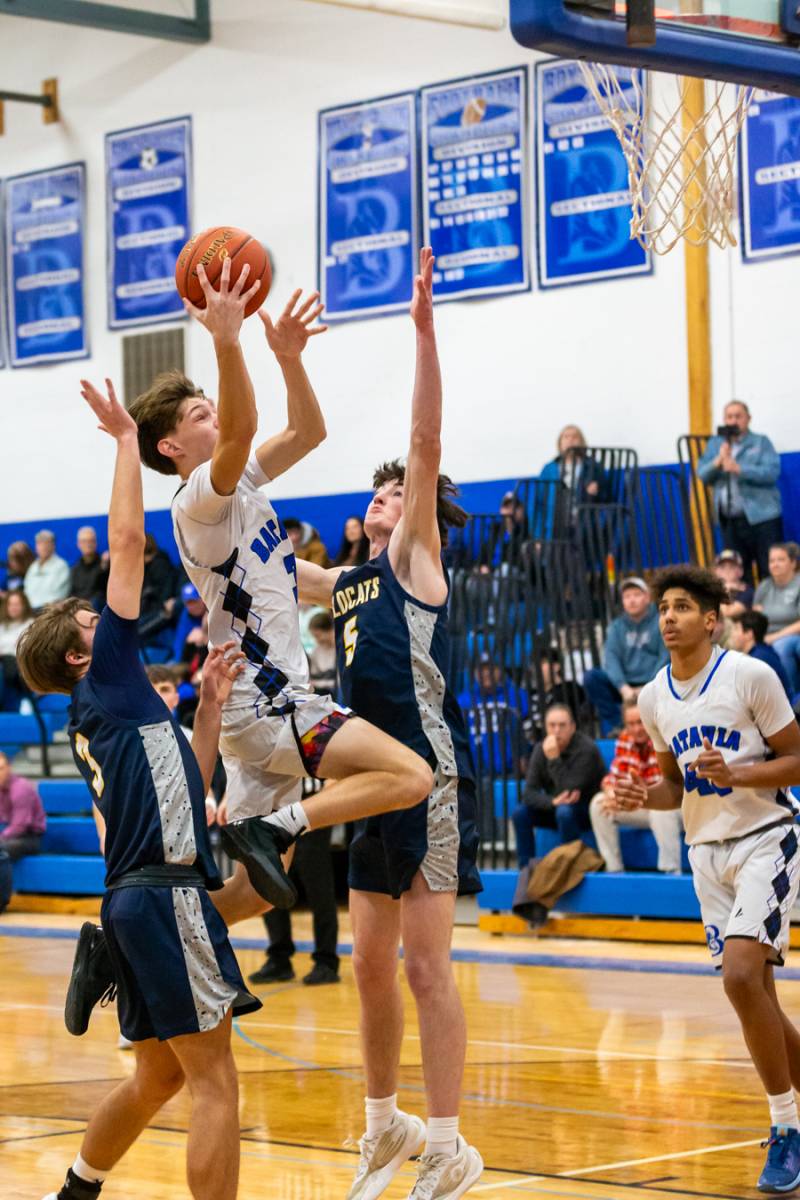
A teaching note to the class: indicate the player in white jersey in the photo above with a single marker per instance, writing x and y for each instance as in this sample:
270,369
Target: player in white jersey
729,748
239,557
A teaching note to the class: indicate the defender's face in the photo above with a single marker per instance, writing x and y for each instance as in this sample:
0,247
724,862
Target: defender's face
195,434
385,510
682,622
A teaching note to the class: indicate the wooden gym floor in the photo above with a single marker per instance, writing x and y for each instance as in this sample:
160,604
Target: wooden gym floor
595,1070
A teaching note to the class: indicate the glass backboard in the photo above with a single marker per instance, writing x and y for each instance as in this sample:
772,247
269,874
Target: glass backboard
745,41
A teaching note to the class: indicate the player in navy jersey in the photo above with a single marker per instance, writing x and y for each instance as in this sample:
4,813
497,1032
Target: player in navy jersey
176,974
406,868
728,746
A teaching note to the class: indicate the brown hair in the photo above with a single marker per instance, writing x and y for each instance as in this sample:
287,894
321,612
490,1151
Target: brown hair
157,412
27,611
43,647
447,513
160,673
321,620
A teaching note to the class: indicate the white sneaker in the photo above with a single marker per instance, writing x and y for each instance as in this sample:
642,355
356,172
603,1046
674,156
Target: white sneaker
447,1176
124,1043
383,1155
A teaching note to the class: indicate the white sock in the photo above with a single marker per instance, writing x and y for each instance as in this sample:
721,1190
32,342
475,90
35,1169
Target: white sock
292,818
380,1113
88,1174
783,1110
442,1135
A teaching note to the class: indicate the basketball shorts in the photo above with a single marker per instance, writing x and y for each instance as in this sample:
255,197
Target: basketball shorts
747,887
266,758
438,837
173,964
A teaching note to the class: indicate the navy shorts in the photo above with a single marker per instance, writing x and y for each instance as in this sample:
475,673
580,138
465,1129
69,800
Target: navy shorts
175,970
438,837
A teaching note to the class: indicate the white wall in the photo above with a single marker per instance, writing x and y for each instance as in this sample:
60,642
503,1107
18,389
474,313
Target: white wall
610,357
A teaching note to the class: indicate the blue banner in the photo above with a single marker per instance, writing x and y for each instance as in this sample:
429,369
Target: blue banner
148,181
44,223
769,148
475,184
368,227
583,198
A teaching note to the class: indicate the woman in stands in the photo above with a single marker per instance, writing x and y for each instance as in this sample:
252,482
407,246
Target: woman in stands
354,549
15,617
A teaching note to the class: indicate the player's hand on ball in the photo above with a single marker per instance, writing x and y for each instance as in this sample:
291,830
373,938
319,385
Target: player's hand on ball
114,419
422,299
224,310
628,795
287,338
711,765
222,667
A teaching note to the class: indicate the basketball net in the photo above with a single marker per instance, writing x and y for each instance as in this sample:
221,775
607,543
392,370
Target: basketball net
680,161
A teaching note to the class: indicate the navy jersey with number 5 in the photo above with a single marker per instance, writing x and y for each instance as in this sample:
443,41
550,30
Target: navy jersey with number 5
140,768
393,653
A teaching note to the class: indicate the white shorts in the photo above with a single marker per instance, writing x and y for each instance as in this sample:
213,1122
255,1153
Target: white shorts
267,757
747,888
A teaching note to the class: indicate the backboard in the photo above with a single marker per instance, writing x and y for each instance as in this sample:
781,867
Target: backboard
745,41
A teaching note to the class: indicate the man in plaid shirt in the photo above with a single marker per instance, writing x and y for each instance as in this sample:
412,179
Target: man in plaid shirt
635,752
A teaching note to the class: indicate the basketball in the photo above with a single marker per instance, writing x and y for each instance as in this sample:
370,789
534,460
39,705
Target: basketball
211,248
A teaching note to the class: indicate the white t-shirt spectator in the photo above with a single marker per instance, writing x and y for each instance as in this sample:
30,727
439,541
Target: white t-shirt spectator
47,581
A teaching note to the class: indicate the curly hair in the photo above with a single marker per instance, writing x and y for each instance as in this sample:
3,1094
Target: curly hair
703,586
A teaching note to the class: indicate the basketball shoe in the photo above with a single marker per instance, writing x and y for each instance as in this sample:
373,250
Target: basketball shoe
383,1155
782,1169
447,1176
92,978
76,1189
258,846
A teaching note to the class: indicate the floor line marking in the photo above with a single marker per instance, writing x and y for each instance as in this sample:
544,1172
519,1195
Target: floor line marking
640,1162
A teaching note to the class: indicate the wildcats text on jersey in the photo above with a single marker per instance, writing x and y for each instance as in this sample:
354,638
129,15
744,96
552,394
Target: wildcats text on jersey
347,598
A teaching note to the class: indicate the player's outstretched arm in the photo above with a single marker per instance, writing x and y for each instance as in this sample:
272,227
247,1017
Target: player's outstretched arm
126,511
315,584
236,401
305,424
220,669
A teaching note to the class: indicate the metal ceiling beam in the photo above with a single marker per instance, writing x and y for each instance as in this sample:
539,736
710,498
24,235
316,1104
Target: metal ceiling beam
117,20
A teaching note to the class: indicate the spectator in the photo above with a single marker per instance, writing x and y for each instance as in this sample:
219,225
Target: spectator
47,578
728,567
322,659
20,557
778,597
565,771
550,688
354,549
495,710
504,547
189,632
743,469
633,655
22,819
158,599
747,635
634,752
89,575
15,616
582,478
306,542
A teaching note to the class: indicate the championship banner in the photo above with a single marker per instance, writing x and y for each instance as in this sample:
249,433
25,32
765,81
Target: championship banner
148,181
769,158
475,183
583,200
44,224
368,225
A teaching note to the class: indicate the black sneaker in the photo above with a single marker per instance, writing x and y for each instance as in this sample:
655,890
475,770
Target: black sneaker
273,971
76,1189
258,846
92,978
245,1003
321,973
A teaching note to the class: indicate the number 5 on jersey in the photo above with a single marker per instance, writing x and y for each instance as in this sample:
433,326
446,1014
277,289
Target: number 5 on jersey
350,637
82,751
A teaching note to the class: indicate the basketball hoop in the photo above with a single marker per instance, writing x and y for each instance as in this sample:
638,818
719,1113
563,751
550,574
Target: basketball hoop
680,154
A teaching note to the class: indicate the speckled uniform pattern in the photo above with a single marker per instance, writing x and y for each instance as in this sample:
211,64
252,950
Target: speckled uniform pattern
440,864
212,996
172,791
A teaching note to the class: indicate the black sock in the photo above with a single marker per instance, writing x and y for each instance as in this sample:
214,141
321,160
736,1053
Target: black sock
76,1188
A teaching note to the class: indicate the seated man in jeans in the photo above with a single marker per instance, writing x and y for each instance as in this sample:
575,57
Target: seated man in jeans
22,819
635,752
564,773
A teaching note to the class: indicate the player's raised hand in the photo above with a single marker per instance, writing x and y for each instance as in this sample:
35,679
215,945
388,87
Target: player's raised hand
114,418
711,765
288,337
224,310
628,794
422,299
222,667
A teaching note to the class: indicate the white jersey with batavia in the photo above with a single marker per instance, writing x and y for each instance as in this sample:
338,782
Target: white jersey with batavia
737,702
239,557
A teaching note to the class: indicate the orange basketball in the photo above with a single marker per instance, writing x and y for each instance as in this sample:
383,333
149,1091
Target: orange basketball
211,248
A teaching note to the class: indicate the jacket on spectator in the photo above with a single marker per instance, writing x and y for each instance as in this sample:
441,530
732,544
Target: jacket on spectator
634,652
88,580
766,654
579,767
760,467
311,548
21,809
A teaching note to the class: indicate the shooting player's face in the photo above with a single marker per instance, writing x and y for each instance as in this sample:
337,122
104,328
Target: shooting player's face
385,510
195,434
